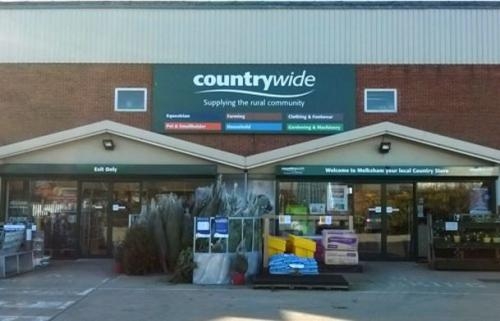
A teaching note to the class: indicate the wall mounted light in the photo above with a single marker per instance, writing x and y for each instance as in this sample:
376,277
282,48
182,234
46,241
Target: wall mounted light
384,147
108,144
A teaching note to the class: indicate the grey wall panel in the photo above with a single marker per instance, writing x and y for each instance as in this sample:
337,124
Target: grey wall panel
359,36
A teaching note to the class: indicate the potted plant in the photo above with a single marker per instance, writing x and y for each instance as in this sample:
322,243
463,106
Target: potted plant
184,267
456,238
486,238
496,237
118,257
238,268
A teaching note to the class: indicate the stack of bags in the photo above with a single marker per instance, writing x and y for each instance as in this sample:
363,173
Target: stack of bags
341,247
292,264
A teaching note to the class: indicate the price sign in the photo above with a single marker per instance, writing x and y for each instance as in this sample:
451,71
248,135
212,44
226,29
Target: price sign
285,219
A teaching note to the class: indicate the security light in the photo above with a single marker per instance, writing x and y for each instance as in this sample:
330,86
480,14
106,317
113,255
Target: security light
384,147
108,144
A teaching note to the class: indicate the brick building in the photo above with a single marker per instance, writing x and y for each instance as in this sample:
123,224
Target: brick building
185,92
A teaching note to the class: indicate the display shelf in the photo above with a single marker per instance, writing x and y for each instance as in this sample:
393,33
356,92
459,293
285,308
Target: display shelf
468,252
347,219
15,263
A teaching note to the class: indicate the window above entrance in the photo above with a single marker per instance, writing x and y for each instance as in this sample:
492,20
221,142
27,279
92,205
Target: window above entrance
131,99
381,100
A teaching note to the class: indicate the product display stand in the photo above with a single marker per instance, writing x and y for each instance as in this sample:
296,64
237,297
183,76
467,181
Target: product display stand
267,229
15,263
331,281
14,260
464,245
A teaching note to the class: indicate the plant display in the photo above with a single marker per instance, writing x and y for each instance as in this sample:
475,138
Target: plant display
184,267
239,264
139,251
171,225
118,252
167,222
496,237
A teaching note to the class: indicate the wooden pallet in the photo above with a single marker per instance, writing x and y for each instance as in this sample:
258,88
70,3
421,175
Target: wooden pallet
335,269
295,282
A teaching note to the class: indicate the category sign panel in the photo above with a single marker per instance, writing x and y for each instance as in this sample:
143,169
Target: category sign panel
280,99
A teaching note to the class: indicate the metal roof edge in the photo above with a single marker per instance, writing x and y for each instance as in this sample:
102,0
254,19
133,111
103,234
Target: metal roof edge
251,4
256,160
446,143
121,130
379,129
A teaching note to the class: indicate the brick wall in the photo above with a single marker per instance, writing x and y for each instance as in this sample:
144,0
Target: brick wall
458,101
37,99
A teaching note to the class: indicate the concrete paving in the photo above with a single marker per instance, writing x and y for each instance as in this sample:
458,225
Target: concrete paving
89,290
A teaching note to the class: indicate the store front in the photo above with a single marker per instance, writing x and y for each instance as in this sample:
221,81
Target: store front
386,194
388,214
86,216
84,197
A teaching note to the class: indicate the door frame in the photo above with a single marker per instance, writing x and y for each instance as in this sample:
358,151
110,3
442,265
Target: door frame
109,196
412,231
110,183
412,226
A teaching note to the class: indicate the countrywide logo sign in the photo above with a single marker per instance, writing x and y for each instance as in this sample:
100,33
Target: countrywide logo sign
311,99
263,84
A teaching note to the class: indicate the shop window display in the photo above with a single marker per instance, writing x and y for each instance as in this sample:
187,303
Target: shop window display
465,234
18,200
184,189
445,199
53,206
302,199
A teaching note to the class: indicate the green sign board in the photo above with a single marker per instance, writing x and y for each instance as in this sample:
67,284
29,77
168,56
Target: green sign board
108,169
428,171
279,99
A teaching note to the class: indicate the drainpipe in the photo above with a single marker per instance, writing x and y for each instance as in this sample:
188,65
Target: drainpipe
245,182
497,198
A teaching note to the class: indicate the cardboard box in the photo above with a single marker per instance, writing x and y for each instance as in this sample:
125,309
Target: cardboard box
345,240
333,257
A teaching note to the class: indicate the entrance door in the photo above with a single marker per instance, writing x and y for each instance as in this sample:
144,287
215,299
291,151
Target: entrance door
399,220
94,219
125,208
107,209
383,216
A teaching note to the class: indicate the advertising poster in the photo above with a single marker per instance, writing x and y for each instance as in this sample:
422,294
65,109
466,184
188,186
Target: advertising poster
337,196
221,227
202,227
479,199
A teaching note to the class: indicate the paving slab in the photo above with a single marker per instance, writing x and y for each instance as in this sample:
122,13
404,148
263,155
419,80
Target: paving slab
84,290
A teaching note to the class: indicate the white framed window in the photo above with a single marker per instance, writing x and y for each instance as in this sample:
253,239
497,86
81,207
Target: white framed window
131,99
381,100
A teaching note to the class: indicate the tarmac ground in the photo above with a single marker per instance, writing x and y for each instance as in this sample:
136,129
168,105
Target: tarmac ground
88,289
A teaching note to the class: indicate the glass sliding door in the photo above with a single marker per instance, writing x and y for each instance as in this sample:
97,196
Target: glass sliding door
125,208
94,219
383,216
368,219
399,218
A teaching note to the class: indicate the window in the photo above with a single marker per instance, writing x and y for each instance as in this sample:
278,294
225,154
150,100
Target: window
307,202
381,101
131,99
